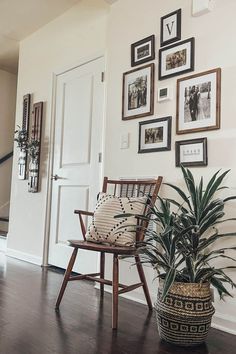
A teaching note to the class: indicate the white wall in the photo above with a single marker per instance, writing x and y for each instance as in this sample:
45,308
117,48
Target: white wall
133,20
7,120
81,32
78,34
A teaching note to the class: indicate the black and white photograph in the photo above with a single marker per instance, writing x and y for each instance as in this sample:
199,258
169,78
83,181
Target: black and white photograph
155,135
143,51
176,59
165,93
138,92
198,102
190,153
171,28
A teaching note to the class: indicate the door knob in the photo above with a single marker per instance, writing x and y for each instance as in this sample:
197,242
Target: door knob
54,178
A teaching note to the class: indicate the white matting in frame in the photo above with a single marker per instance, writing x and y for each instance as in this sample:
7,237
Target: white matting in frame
138,92
198,102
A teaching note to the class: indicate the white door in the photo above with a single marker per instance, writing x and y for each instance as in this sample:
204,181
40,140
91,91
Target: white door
78,143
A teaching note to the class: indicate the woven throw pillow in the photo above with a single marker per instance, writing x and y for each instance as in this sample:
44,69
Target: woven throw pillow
106,229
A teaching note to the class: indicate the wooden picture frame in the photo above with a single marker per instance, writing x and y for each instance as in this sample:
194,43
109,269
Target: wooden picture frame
22,161
155,135
191,153
177,59
143,51
171,27
35,147
138,92
198,102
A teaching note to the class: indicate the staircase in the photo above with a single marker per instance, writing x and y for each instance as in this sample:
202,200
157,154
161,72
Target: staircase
3,235
4,220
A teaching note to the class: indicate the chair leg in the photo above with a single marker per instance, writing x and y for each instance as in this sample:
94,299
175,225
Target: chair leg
143,280
115,282
66,278
102,271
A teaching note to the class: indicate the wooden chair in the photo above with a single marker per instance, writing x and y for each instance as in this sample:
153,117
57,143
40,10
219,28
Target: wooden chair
123,189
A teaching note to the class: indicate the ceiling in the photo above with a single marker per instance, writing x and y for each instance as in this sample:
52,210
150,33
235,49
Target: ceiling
20,18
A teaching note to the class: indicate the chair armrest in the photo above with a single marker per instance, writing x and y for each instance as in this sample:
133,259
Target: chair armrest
82,225
83,212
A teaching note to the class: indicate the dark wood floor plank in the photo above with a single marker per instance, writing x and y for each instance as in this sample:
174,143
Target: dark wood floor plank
29,324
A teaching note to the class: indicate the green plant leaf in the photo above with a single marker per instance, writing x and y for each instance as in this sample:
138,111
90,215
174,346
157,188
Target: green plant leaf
169,280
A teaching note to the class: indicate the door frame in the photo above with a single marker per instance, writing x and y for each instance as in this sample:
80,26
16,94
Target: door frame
56,73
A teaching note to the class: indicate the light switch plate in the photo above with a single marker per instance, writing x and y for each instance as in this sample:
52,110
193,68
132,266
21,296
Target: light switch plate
124,141
200,7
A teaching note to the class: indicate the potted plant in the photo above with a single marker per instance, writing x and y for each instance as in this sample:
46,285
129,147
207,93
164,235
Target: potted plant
181,252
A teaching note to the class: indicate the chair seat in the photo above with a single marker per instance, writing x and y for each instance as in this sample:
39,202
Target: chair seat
98,247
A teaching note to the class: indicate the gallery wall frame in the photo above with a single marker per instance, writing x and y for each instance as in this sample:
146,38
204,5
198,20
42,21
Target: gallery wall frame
155,135
199,102
143,51
22,161
177,59
171,27
138,92
191,153
164,93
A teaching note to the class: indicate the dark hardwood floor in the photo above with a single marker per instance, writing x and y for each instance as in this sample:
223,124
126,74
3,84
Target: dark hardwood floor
29,324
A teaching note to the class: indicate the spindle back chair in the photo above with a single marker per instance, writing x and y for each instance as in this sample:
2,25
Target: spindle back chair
121,188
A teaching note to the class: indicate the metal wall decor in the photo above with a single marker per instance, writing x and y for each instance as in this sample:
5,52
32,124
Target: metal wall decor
22,138
34,147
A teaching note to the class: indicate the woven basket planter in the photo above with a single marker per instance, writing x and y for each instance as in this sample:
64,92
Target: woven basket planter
184,317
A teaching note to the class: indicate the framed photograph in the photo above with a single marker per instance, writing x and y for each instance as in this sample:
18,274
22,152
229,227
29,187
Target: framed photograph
143,51
198,102
171,28
155,135
191,153
165,93
138,92
176,59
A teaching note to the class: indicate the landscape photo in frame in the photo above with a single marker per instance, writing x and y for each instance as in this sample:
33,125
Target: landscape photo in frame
155,135
143,51
177,59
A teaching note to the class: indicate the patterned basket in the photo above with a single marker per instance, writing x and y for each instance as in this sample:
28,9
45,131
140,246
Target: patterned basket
184,317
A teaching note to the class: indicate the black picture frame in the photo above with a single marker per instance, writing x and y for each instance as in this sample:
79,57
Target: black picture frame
188,46
148,42
197,163
164,22
165,143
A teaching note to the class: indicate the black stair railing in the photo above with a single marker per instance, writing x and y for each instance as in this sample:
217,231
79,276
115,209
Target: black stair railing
3,159
6,157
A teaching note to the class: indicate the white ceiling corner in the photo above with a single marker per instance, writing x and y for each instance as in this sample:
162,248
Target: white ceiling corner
111,1
19,19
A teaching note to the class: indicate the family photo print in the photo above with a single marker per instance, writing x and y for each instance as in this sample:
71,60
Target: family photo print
155,135
198,102
138,92
176,59
143,51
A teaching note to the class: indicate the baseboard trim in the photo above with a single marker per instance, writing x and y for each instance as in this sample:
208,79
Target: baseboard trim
219,321
224,323
26,257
